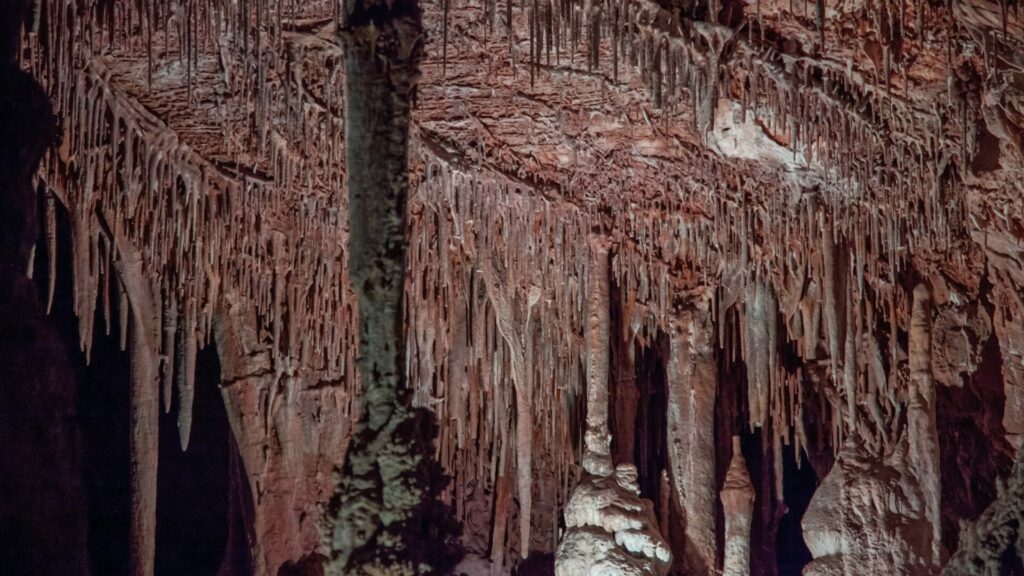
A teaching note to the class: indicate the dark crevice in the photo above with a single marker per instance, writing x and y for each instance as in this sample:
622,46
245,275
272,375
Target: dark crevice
799,484
103,415
650,425
193,486
973,451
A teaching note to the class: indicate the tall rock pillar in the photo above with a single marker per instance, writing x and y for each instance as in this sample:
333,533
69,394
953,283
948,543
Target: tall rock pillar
692,386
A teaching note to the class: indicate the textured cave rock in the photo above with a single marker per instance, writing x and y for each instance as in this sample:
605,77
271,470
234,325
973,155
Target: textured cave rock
631,230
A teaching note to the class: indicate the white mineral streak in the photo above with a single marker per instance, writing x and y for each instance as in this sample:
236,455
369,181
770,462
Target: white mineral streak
738,505
692,382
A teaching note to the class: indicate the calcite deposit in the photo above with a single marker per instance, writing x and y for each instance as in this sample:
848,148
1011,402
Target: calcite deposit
593,240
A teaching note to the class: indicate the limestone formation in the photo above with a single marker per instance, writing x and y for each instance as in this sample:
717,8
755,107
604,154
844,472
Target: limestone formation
808,216
610,529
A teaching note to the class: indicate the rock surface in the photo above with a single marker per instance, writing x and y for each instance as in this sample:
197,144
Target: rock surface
795,168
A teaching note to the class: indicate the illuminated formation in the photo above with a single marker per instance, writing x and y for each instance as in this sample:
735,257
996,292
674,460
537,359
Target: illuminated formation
636,235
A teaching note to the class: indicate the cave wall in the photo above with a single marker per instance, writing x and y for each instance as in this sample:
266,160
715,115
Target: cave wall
774,181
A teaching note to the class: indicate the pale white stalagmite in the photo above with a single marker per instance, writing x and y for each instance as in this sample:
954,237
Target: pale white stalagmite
597,456
692,383
738,504
921,427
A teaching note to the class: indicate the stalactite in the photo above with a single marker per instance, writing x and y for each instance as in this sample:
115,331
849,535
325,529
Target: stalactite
759,346
51,248
496,284
185,361
209,235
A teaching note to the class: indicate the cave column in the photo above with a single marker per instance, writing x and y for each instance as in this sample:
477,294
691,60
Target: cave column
144,444
266,401
384,516
923,434
597,456
608,525
692,384
738,504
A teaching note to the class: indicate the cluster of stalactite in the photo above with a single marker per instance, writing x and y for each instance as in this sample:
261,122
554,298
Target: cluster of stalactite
171,225
204,227
498,269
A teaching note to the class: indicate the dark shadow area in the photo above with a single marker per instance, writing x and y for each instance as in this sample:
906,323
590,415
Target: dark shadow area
103,415
799,484
1011,563
651,425
973,451
42,515
200,493
193,486
536,564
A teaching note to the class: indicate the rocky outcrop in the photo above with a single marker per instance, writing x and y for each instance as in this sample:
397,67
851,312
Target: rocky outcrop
869,516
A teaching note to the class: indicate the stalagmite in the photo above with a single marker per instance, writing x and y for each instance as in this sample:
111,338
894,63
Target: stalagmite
609,528
738,504
692,383
921,424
